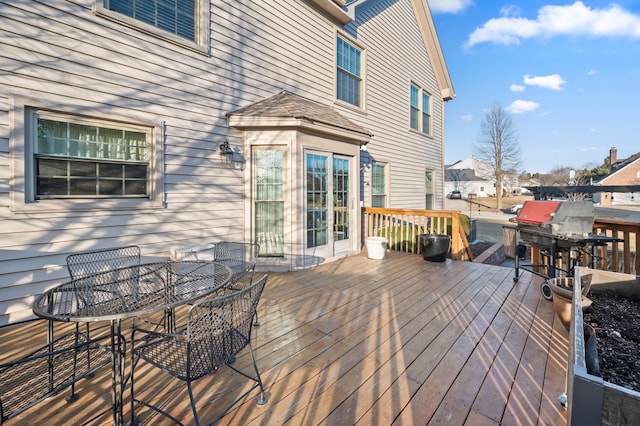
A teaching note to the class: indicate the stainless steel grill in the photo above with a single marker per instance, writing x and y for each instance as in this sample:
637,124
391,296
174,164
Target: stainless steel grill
558,234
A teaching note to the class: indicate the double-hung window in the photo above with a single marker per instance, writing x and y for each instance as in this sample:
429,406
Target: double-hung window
180,18
75,157
349,72
415,107
378,185
420,110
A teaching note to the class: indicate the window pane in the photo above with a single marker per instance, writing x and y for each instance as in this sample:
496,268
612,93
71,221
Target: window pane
52,137
85,141
348,77
378,185
414,118
174,16
426,115
135,172
269,204
414,110
135,187
317,197
51,168
81,168
414,97
82,187
341,199
51,186
110,187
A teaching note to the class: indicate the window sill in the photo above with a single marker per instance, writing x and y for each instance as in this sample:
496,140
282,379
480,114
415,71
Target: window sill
84,205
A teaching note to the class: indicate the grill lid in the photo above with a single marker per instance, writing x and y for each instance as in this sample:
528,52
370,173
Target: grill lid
574,218
537,212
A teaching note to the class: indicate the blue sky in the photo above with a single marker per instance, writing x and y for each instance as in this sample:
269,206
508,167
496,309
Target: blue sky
567,71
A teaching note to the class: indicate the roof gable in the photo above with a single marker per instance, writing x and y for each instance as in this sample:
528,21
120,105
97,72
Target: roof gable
430,40
620,167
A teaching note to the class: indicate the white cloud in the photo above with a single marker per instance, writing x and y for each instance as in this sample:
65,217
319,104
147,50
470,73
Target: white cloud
510,10
554,21
520,106
592,72
448,6
466,117
517,88
553,81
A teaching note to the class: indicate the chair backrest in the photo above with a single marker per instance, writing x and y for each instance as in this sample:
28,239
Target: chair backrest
87,263
240,257
221,327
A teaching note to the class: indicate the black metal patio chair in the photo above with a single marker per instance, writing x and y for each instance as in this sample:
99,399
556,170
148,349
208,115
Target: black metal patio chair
242,259
87,263
47,371
217,330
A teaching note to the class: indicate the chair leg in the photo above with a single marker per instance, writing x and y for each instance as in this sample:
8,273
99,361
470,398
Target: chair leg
262,399
193,404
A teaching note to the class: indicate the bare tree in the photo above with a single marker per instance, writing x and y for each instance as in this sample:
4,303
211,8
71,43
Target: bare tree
498,146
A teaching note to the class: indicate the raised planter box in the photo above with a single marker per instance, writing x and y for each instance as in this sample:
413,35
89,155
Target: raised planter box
590,399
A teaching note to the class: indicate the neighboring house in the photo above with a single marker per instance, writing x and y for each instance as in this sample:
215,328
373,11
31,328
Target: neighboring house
465,181
193,122
621,172
473,176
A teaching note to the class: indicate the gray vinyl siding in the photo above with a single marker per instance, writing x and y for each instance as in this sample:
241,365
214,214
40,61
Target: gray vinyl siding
59,51
396,57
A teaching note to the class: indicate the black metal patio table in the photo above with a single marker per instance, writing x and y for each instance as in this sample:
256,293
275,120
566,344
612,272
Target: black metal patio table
131,292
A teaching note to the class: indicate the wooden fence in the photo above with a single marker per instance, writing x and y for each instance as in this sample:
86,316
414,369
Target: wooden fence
620,257
402,227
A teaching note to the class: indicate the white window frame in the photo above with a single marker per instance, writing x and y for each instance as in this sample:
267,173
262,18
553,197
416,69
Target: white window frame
201,22
385,167
422,112
360,48
22,148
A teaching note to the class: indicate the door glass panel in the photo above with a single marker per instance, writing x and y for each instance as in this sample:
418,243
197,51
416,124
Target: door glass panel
269,202
317,206
340,199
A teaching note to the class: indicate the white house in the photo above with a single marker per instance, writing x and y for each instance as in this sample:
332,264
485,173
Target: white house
270,121
474,176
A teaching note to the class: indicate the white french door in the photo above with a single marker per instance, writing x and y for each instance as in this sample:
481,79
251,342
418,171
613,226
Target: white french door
328,203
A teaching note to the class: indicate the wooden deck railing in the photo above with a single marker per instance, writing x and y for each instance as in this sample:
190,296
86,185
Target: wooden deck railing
402,228
622,257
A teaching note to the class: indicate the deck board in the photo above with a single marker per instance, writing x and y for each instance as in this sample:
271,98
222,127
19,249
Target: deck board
358,341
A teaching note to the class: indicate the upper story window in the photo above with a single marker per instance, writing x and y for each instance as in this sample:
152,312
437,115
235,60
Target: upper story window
179,21
378,185
349,72
74,157
420,110
174,16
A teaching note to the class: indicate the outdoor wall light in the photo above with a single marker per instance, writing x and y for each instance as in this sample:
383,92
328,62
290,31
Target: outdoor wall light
226,151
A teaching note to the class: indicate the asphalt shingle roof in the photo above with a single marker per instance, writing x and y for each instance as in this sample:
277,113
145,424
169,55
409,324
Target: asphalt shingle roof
288,105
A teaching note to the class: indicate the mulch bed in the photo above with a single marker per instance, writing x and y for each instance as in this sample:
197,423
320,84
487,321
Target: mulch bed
616,321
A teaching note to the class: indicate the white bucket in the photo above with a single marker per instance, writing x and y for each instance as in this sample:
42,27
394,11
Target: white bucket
376,247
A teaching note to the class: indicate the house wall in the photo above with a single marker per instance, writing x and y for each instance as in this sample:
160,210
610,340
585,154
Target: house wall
479,188
390,34
629,175
59,54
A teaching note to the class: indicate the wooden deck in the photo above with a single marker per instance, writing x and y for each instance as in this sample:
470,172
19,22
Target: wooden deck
399,341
